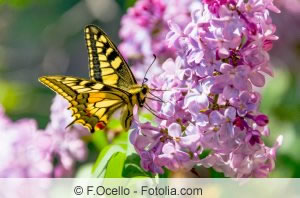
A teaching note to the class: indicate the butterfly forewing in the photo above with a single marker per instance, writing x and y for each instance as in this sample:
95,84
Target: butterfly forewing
106,64
92,103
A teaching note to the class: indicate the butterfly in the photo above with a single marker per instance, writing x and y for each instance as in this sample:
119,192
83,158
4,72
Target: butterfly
111,86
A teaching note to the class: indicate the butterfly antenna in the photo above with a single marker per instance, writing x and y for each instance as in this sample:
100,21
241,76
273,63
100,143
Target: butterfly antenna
154,99
152,111
145,79
159,89
157,97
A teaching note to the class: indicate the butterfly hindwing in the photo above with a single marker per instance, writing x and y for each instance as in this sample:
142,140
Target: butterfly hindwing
106,64
92,103
127,116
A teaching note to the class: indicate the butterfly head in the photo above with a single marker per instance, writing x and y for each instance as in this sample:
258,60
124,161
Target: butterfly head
142,95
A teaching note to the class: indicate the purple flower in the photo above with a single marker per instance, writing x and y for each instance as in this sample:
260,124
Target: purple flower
144,28
26,151
196,100
261,120
173,158
222,54
31,152
67,147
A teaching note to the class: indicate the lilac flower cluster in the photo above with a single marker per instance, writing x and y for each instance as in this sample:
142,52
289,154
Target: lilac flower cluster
30,152
145,26
212,106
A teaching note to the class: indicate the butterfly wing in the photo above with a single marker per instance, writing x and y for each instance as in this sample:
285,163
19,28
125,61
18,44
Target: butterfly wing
127,116
92,103
106,63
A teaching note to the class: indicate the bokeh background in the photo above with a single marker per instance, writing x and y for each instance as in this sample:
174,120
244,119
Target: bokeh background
46,37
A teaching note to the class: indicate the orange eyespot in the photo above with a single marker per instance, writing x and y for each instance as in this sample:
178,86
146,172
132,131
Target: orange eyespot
101,125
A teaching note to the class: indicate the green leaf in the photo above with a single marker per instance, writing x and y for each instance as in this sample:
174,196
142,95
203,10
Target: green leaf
132,168
115,165
204,154
215,174
103,158
114,124
130,3
99,139
147,117
121,140
166,173
130,148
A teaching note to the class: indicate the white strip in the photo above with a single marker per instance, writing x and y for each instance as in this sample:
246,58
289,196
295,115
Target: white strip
210,188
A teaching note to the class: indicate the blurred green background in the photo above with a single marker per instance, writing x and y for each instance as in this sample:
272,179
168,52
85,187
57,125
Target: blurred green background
46,37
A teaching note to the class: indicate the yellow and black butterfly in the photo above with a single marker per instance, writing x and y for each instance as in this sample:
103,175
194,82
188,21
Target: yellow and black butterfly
111,85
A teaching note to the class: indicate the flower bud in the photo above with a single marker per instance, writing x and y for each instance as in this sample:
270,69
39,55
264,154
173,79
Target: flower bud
261,120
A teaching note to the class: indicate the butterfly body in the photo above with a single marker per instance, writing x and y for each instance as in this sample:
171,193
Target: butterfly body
139,94
111,85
